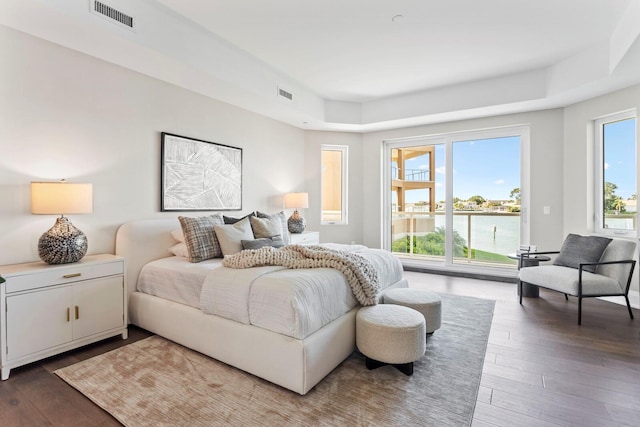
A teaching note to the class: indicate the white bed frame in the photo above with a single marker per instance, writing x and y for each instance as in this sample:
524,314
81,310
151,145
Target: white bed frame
295,364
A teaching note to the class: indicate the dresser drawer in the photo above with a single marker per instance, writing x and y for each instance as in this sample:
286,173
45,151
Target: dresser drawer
58,275
308,238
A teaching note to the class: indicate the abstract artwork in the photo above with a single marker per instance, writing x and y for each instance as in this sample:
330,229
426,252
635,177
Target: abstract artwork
200,175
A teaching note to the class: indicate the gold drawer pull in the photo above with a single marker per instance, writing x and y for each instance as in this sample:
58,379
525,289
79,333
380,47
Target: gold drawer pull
69,276
68,314
77,313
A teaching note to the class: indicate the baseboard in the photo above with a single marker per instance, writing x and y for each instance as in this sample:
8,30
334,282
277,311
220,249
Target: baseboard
507,278
634,299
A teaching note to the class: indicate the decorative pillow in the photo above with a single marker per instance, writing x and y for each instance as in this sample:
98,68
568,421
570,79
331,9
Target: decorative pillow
266,227
232,235
283,220
275,241
178,235
200,237
232,220
577,249
180,249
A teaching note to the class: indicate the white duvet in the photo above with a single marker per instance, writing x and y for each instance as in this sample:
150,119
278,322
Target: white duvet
295,303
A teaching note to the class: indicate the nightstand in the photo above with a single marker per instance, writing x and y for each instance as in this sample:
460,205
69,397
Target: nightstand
50,309
305,238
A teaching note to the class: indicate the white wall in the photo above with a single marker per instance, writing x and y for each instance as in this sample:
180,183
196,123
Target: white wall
579,153
579,157
64,114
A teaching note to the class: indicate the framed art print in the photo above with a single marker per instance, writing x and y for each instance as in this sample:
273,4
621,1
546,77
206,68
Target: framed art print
199,175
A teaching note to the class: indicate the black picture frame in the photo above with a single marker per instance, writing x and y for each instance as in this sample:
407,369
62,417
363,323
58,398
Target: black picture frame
198,175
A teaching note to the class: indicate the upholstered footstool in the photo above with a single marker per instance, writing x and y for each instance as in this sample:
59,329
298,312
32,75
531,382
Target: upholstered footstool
427,303
390,335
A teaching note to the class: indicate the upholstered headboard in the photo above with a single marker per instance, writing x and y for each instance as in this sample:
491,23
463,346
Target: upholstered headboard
142,241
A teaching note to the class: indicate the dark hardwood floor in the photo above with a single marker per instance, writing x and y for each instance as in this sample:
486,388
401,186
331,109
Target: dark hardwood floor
541,368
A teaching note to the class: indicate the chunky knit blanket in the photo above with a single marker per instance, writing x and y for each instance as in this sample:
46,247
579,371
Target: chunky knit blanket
359,272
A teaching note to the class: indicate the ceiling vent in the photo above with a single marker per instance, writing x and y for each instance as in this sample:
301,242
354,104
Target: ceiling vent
114,15
285,94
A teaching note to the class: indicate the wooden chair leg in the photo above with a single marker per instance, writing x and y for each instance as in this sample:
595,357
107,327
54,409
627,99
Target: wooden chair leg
629,306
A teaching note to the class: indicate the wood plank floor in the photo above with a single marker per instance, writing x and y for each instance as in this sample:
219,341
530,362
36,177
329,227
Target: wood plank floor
541,368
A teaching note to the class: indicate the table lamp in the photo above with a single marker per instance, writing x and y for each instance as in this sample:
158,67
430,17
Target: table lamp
63,243
296,223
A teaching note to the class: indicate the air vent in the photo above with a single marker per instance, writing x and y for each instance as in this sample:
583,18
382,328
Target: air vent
285,94
113,14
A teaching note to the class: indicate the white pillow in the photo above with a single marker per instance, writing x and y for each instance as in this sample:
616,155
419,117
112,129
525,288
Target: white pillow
178,235
231,236
180,249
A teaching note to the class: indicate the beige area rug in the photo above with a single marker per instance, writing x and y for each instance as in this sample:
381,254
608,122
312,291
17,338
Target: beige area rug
155,382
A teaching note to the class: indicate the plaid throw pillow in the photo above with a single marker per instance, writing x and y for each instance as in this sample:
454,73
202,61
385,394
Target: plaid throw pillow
200,237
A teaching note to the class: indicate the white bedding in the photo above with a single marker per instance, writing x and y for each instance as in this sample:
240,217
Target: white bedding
294,303
176,279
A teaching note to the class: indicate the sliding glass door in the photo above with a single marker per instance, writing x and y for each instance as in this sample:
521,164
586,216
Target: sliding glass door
456,199
416,176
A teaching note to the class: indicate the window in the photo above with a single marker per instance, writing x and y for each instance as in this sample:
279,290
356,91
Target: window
334,184
615,172
454,200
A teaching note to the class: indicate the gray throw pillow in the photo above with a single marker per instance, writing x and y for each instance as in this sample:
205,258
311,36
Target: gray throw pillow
283,220
200,237
232,220
578,249
266,227
275,241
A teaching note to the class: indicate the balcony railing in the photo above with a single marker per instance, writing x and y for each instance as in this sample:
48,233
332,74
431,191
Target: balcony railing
417,175
479,237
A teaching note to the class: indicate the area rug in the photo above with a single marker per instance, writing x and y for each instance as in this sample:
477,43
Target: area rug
155,382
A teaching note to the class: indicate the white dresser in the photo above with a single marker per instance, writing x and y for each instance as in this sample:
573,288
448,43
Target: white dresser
305,238
48,309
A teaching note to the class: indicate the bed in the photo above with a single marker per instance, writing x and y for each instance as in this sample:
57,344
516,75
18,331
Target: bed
296,358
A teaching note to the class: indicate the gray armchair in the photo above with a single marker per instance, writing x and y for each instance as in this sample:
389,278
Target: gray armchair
612,276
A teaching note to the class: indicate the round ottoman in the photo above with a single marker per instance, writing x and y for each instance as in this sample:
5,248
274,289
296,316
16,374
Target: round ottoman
390,335
427,303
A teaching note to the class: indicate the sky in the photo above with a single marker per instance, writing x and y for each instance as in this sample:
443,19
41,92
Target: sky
488,167
620,156
491,167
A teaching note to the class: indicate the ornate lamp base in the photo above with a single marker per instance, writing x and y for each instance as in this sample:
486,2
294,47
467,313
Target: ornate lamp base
62,244
296,224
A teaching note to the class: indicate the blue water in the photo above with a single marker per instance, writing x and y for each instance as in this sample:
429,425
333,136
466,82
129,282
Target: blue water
505,241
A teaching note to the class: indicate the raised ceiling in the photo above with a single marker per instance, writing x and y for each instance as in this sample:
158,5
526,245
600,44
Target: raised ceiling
350,65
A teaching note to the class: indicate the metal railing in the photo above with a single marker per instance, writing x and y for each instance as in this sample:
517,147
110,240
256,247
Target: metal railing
503,226
417,175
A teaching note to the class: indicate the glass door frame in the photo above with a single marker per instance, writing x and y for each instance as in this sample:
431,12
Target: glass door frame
448,140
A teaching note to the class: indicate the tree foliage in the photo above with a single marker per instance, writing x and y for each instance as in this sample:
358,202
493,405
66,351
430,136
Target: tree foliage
478,199
613,204
515,195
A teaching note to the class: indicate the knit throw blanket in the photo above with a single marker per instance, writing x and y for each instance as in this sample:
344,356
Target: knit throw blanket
360,273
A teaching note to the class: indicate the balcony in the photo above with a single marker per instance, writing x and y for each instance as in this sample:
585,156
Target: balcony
484,238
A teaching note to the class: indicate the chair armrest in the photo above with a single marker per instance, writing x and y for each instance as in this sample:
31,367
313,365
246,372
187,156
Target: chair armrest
623,261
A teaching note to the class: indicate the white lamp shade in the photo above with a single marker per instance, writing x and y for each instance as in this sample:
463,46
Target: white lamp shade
296,200
61,198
